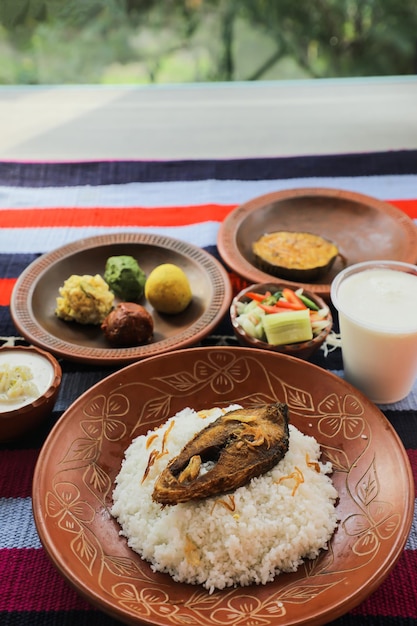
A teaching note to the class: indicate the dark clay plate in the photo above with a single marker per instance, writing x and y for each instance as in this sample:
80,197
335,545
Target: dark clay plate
362,227
33,300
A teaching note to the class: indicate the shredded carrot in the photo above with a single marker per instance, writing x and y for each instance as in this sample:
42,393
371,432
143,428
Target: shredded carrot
155,454
297,476
230,507
312,464
292,298
165,439
152,458
150,440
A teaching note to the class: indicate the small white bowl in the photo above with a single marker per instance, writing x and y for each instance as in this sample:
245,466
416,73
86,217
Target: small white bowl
21,415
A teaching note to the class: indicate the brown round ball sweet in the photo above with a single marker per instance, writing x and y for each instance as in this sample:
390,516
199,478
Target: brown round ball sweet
129,324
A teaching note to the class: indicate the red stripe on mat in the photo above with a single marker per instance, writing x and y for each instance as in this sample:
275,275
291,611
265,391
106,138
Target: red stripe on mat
47,591
134,216
392,599
6,288
50,592
113,216
412,455
16,482
407,206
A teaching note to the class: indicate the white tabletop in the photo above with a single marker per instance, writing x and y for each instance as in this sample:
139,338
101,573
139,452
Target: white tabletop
223,120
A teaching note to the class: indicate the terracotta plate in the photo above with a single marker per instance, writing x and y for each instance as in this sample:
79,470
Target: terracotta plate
78,463
33,300
362,227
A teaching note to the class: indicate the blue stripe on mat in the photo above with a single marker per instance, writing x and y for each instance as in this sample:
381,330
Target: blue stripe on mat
120,172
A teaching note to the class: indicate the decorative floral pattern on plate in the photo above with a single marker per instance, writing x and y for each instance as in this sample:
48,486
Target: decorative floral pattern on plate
78,464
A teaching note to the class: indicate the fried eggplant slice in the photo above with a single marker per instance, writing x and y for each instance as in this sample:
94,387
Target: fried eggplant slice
226,454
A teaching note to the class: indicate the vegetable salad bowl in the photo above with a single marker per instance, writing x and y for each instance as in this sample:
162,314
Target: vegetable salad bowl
302,349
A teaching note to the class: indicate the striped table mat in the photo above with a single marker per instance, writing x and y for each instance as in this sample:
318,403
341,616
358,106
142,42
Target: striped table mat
46,205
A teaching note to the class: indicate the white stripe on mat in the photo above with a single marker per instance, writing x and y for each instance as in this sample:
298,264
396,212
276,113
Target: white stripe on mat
24,534
17,526
182,193
41,240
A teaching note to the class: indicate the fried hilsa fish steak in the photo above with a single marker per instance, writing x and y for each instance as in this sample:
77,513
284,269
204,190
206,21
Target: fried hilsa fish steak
225,455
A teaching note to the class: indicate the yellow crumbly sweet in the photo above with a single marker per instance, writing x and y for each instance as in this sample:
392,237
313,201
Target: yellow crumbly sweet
168,289
84,299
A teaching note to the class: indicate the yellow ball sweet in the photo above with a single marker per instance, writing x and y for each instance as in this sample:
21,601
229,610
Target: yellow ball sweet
167,289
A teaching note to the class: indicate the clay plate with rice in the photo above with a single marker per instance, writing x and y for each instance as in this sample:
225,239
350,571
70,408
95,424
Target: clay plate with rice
72,501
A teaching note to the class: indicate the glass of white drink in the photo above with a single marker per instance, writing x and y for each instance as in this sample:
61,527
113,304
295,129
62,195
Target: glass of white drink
377,307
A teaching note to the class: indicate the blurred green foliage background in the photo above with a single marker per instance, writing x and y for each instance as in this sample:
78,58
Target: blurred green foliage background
176,41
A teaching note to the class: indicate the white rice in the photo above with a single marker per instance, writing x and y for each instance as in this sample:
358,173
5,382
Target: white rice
248,537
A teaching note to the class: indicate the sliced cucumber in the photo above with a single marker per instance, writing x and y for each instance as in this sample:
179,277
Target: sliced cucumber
291,327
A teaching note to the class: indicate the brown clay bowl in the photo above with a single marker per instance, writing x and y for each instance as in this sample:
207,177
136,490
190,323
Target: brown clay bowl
21,416
303,349
362,227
